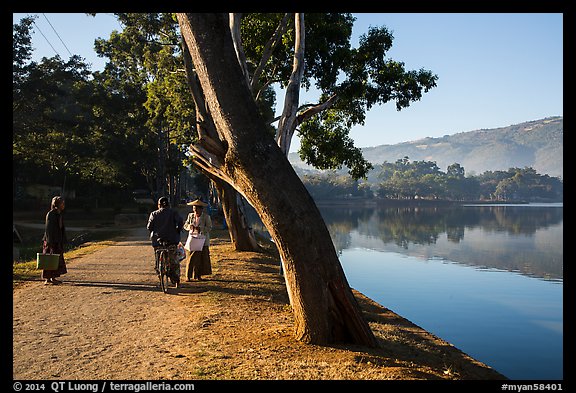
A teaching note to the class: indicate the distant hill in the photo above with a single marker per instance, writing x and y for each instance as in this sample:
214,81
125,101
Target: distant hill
537,144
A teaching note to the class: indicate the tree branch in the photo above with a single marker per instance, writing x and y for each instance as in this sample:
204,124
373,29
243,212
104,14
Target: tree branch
264,86
235,19
315,109
208,162
207,133
268,49
287,123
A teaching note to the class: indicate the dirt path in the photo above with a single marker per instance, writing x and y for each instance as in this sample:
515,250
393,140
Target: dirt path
110,321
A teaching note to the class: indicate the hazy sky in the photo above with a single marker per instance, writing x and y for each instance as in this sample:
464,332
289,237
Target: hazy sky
494,69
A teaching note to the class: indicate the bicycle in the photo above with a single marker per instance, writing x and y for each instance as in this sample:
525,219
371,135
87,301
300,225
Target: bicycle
163,253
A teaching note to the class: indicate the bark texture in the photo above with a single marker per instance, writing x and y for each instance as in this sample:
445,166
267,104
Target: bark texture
324,307
211,146
241,234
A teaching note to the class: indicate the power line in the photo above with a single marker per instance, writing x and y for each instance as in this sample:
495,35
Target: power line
58,35
47,40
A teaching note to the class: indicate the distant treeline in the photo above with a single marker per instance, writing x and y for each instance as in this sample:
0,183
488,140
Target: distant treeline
405,179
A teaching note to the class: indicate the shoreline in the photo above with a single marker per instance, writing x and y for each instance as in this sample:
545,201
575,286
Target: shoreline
237,324
374,202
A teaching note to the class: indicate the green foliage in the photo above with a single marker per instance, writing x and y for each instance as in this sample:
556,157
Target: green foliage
522,183
52,116
131,123
143,65
21,49
372,78
325,144
103,128
360,78
332,186
424,180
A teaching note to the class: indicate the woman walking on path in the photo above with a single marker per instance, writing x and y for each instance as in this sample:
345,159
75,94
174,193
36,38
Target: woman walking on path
54,240
198,222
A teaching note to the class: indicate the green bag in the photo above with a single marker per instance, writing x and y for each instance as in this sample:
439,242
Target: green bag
47,261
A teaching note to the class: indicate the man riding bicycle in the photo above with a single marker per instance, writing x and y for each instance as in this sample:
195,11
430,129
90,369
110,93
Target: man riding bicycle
165,226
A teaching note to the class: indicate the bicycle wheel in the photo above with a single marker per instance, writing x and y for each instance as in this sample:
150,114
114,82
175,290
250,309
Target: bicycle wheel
164,271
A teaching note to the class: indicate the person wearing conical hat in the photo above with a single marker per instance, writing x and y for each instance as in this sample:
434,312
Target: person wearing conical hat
198,222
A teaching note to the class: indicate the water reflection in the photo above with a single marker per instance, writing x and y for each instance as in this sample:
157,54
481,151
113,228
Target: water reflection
522,238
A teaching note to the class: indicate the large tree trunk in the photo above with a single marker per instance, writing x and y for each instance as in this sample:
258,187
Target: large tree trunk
241,235
325,309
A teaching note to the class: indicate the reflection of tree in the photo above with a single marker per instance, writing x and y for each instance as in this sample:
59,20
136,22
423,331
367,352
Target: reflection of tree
455,234
416,228
342,221
517,220
424,225
340,236
406,225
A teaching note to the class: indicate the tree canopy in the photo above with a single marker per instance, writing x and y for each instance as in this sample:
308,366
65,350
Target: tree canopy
350,81
123,128
140,100
406,179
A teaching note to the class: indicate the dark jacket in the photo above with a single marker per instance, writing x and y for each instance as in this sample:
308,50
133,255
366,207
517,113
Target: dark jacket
54,231
166,224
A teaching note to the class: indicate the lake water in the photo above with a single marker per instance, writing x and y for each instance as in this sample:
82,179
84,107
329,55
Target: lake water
488,279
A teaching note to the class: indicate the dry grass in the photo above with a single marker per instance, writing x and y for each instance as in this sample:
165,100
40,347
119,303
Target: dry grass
251,314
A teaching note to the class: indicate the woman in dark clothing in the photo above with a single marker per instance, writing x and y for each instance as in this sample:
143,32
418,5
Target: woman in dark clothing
54,240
